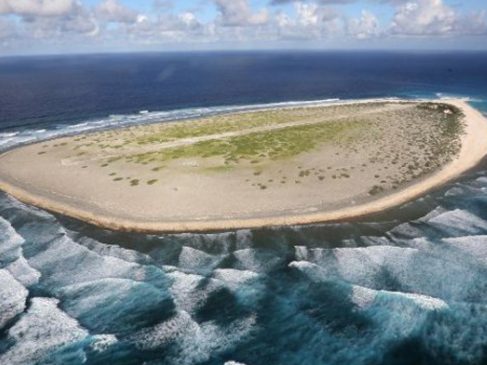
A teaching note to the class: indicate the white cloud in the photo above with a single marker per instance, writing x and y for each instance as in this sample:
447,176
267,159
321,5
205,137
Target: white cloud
307,14
424,17
239,13
312,22
365,27
37,7
113,11
108,24
189,20
59,29
52,21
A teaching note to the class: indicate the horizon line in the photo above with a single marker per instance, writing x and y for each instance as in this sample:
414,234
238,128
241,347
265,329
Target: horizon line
236,51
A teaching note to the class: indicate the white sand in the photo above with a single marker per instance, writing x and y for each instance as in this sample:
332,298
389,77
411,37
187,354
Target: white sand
186,208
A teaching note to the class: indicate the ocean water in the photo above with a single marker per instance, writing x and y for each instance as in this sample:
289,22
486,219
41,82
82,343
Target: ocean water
406,287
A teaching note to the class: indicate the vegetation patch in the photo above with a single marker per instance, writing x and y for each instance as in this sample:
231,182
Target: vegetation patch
275,144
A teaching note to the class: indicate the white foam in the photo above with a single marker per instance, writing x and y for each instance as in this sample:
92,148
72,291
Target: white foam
186,290
17,137
407,230
363,297
378,255
475,246
102,343
114,251
243,239
12,297
218,339
5,135
220,243
179,326
181,330
256,260
195,343
459,221
68,263
312,271
421,243
23,272
360,265
235,278
44,328
433,214
91,296
375,241
424,301
197,260
246,285
448,96
10,241
301,252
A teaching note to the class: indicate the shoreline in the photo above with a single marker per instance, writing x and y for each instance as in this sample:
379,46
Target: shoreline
224,110
473,150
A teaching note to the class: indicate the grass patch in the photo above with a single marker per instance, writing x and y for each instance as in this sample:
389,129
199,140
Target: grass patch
276,144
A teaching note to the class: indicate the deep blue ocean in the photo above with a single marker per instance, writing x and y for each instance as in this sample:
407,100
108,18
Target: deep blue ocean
407,287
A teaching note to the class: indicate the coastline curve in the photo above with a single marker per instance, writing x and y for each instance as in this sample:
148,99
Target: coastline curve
473,150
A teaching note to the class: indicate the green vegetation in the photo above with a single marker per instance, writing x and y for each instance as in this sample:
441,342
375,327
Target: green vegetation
388,144
224,123
255,147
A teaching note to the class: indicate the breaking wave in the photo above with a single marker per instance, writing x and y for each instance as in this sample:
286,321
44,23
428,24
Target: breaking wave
22,135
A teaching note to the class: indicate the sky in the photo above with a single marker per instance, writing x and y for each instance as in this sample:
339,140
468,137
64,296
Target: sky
98,26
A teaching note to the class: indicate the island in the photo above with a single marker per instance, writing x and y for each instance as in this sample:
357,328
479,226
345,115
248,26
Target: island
266,167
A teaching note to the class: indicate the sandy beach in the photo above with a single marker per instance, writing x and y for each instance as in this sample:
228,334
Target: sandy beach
124,180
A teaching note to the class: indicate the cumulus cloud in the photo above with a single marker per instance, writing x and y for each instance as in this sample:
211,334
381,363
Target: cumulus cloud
311,22
37,7
60,28
111,23
365,27
313,14
321,2
424,17
239,13
113,11
308,14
